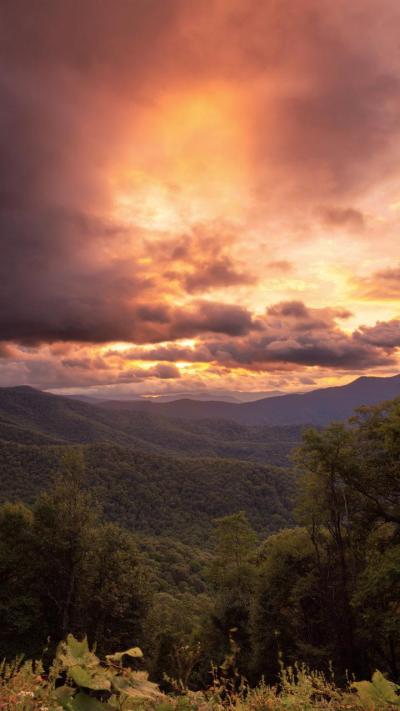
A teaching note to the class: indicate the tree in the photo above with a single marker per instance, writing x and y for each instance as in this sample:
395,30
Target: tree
288,617
349,500
328,508
232,567
233,574
377,603
177,651
114,597
375,470
92,575
64,519
21,612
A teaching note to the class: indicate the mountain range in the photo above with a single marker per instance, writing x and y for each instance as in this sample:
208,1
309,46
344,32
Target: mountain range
31,417
155,476
169,476
316,407
236,396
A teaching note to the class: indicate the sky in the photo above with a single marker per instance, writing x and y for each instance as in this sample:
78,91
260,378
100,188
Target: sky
198,195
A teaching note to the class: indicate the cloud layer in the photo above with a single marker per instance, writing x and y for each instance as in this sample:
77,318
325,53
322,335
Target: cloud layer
213,185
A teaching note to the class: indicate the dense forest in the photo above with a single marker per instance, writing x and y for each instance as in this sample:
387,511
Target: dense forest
155,495
302,567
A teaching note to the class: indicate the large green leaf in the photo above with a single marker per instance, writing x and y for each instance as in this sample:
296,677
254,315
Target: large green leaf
135,688
132,652
78,653
378,693
78,650
82,678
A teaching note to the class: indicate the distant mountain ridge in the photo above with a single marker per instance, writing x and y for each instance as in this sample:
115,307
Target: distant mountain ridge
206,395
31,417
317,407
201,397
264,431
235,396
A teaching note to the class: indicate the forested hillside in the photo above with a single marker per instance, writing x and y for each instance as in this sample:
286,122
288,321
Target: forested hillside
325,591
156,495
28,416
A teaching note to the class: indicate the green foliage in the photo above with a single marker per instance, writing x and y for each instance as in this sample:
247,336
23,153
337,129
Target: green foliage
158,496
376,600
65,571
176,628
24,686
349,501
115,683
100,685
63,523
232,567
28,416
20,607
287,615
378,693
176,568
233,574
375,470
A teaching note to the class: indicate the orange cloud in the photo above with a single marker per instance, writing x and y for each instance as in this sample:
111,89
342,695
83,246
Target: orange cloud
180,167
379,286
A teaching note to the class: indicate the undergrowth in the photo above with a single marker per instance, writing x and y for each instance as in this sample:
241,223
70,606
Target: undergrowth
79,681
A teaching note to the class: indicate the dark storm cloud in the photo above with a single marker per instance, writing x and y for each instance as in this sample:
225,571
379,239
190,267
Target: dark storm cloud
302,318
291,333
197,318
385,334
202,259
53,288
198,354
86,318
64,67
332,351
216,274
213,317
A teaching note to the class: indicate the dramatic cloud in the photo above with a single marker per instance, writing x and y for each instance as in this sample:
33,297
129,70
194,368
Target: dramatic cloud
164,204
384,335
290,332
202,260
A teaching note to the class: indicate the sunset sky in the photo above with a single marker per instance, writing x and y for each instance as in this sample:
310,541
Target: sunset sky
199,194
